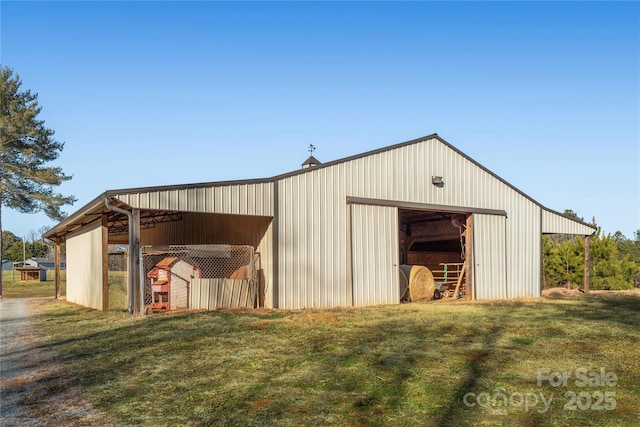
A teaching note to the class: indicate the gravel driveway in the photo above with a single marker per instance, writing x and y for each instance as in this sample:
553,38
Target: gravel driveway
35,388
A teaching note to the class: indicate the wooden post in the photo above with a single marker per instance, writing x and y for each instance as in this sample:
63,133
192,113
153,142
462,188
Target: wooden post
402,235
462,273
587,264
105,262
56,291
468,244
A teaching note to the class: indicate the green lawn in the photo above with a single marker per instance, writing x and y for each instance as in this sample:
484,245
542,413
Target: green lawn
13,287
410,364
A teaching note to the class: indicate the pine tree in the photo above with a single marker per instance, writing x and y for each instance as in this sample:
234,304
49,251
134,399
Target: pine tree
613,260
26,148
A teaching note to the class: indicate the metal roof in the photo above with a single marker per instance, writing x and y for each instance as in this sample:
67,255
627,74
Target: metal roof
92,211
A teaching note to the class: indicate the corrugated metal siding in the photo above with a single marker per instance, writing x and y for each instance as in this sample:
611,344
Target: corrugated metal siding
489,236
313,261
312,230
84,268
523,248
210,293
374,231
552,223
241,199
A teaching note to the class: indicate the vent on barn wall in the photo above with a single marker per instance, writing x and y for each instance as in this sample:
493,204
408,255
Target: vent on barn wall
311,161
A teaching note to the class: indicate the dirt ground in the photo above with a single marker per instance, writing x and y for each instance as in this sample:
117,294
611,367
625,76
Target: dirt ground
551,292
560,291
35,387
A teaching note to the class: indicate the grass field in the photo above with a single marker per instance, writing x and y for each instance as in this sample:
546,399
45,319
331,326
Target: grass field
445,363
13,287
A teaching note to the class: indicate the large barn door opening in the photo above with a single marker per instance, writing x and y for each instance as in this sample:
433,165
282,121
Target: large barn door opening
489,237
374,251
440,242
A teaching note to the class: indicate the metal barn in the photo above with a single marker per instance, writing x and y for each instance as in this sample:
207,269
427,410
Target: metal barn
331,234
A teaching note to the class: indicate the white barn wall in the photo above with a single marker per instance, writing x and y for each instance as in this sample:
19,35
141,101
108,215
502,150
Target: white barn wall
312,240
524,248
312,233
84,267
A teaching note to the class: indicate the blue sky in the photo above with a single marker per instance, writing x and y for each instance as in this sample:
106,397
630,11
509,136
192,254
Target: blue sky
544,94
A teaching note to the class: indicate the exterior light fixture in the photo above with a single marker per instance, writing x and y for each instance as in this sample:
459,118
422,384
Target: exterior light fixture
437,181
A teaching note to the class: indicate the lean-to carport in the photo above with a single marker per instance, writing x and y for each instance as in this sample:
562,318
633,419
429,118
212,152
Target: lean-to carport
159,217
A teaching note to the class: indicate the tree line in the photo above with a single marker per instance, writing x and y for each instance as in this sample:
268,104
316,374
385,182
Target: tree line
17,249
614,259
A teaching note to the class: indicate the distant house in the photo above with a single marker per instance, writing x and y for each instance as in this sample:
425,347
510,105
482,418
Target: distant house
47,263
7,264
31,262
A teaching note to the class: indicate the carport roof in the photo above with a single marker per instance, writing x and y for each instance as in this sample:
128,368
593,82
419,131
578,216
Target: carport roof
92,213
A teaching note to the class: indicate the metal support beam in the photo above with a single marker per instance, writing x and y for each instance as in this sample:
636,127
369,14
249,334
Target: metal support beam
118,225
133,276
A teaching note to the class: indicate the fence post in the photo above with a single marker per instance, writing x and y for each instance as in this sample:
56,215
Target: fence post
57,274
587,264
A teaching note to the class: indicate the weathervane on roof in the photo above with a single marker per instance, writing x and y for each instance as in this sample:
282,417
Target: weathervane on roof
311,161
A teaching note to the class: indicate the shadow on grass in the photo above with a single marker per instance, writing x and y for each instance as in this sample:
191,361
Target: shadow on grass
604,306
375,367
477,367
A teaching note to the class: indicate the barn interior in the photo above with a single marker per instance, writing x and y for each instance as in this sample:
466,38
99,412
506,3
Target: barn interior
438,241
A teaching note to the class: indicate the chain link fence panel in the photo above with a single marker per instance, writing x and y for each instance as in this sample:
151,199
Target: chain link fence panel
199,277
117,284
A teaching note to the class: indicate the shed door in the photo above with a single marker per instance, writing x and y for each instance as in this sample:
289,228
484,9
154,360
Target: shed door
490,255
374,251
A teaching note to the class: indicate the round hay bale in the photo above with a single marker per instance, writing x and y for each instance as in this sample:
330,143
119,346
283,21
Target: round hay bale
421,282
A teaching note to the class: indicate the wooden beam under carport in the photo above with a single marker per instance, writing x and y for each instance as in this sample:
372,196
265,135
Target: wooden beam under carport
56,292
134,251
468,254
105,262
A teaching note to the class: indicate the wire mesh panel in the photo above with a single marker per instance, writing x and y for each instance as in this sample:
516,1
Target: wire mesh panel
187,276
117,283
